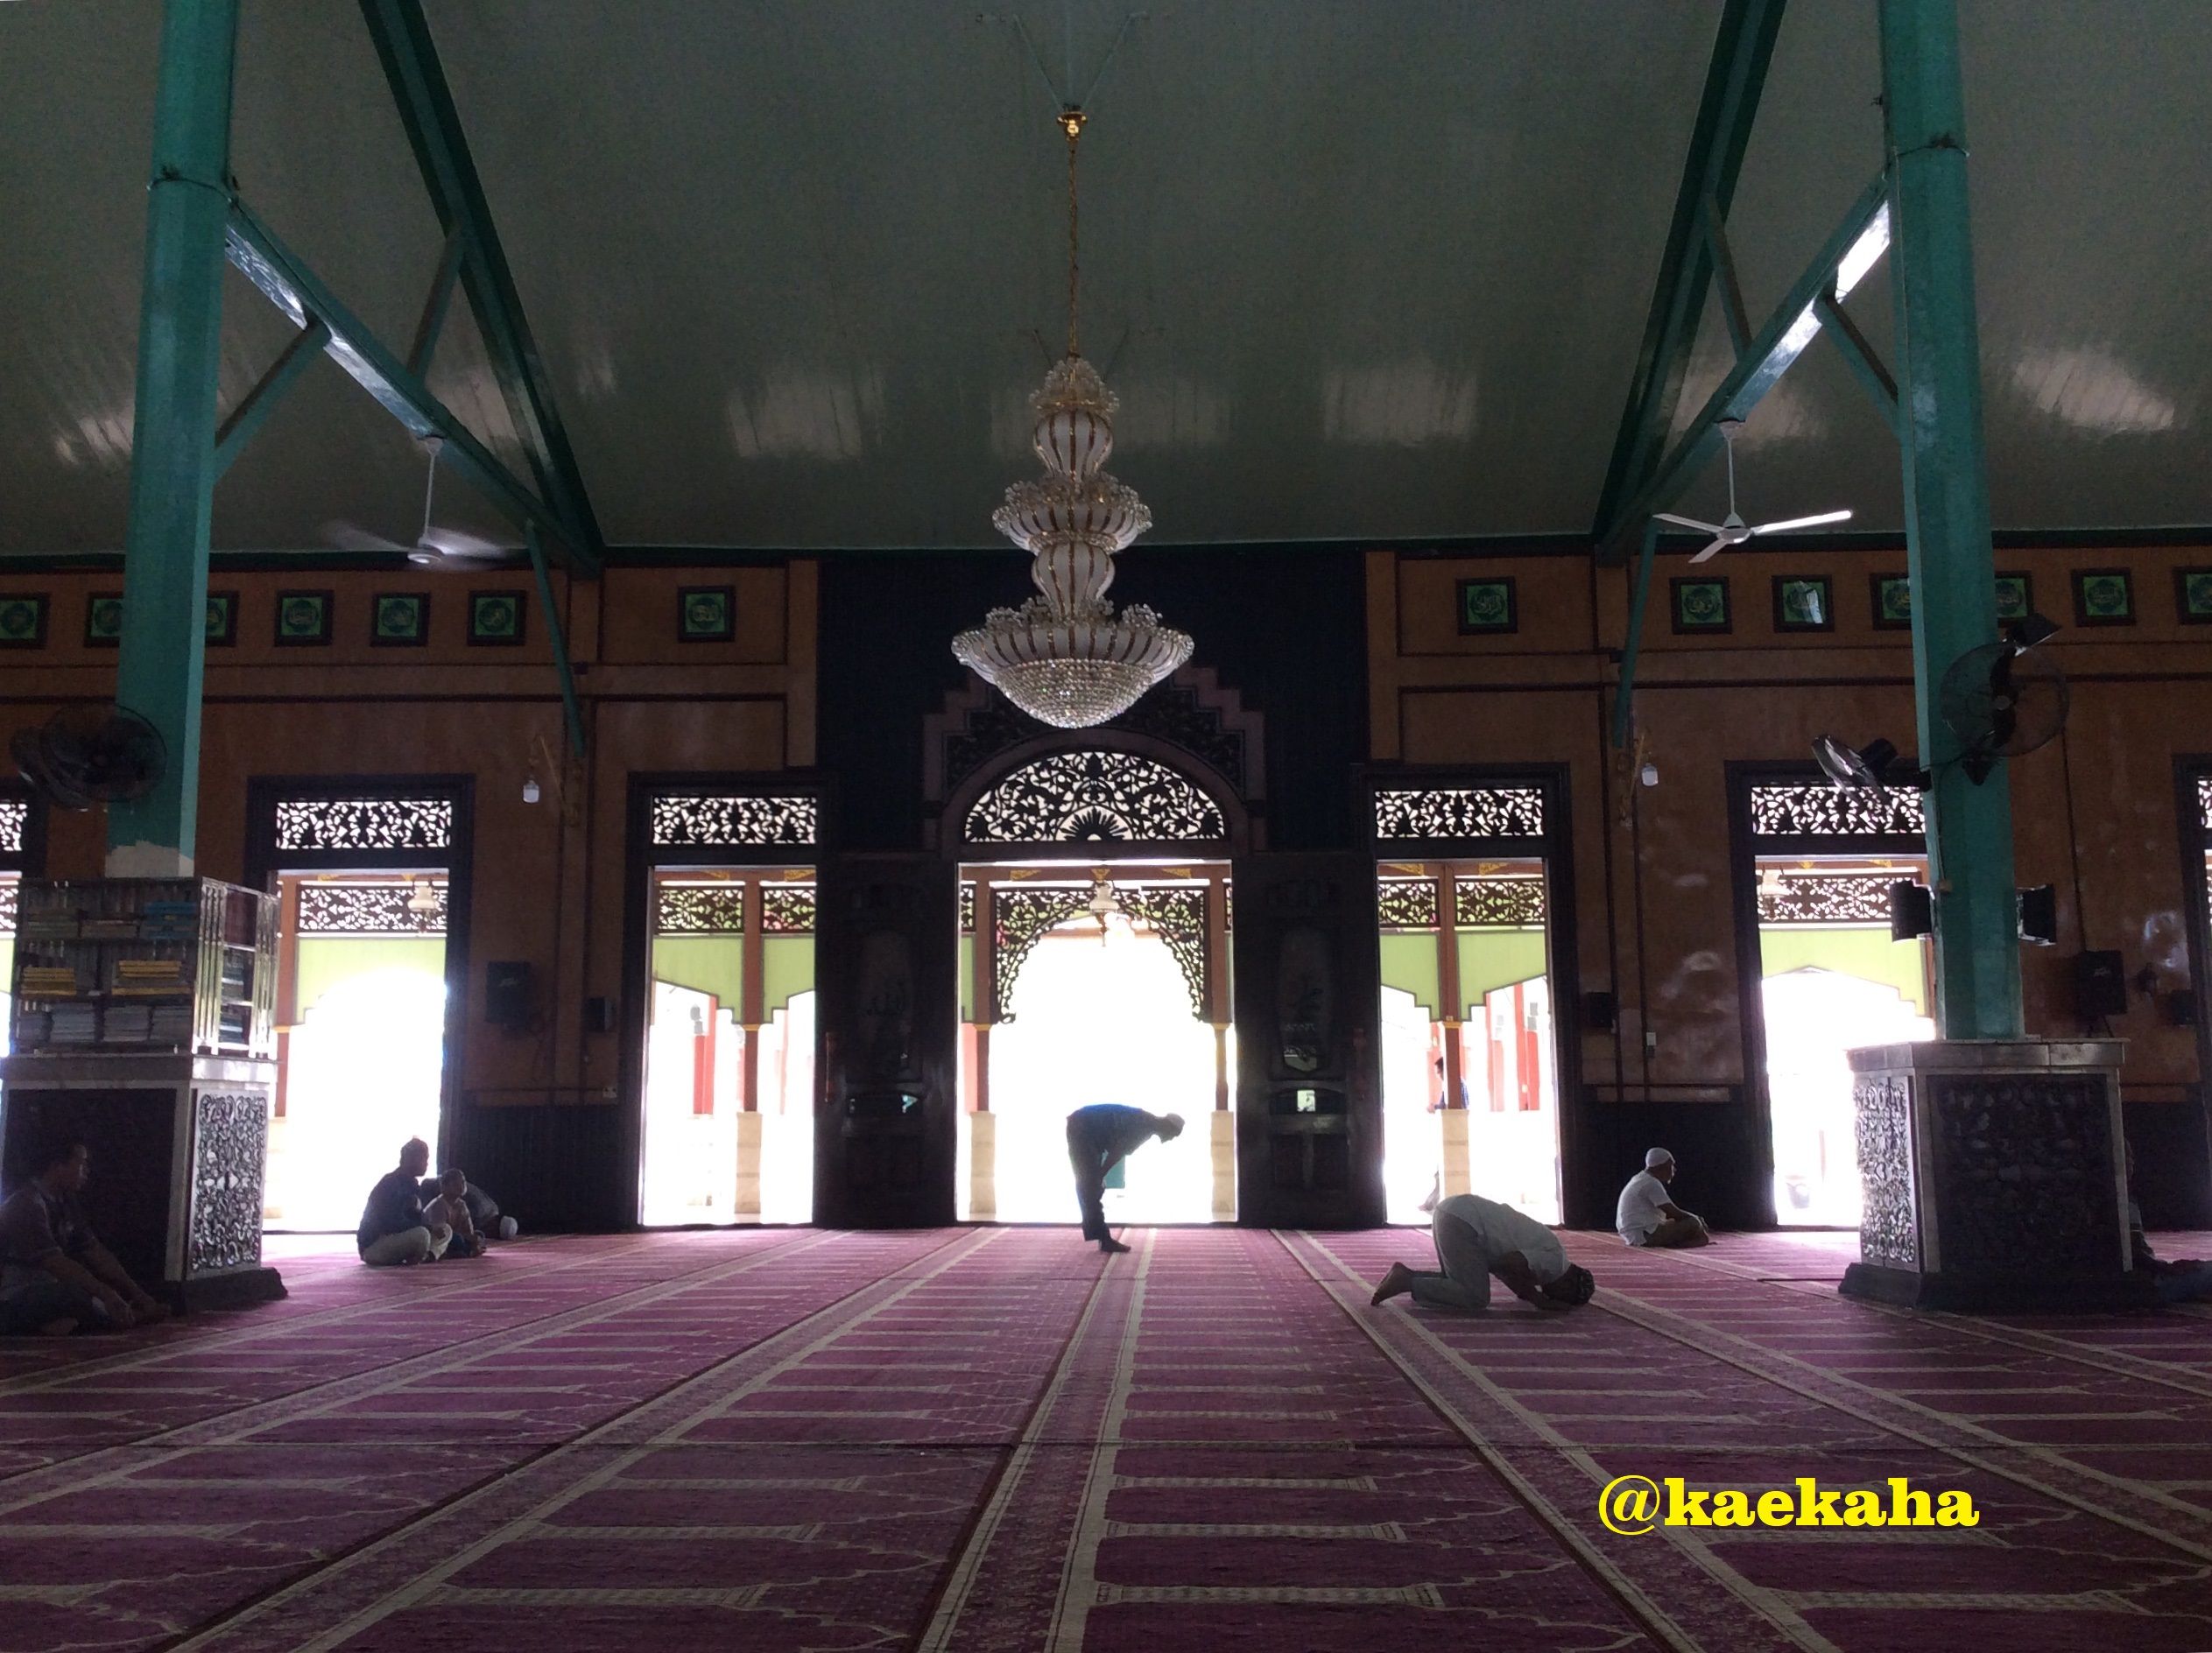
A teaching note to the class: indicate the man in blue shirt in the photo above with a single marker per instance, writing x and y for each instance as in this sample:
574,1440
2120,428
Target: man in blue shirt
1099,1138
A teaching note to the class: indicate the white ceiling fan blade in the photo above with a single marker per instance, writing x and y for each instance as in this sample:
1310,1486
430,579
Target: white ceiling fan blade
454,544
354,536
1787,524
1702,555
1686,522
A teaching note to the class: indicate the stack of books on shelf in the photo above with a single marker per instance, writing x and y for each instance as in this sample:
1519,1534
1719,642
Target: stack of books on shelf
128,1023
74,1023
171,1023
177,919
46,982
149,977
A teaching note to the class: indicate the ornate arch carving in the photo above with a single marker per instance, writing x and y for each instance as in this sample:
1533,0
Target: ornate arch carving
1190,725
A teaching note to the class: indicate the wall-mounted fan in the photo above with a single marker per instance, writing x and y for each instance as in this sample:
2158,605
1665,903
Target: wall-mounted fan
1730,530
2001,701
433,547
1871,767
89,755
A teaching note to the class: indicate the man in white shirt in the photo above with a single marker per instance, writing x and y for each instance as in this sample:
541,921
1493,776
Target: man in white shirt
1646,1217
1476,1238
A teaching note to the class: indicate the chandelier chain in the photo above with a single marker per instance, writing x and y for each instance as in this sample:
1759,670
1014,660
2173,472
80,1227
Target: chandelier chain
1071,121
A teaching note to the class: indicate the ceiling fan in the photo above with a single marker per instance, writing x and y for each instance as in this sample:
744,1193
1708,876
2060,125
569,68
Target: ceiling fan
436,547
1730,529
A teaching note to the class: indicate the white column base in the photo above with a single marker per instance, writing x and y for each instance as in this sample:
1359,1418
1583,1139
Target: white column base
744,1203
1224,1148
1453,1125
983,1167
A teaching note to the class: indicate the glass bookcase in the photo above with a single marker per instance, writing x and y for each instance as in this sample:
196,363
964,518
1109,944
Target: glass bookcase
143,965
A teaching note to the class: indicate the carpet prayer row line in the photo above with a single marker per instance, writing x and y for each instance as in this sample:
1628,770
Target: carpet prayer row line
991,1441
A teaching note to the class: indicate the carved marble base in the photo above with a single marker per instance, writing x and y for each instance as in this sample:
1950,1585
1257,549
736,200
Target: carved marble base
1995,1176
179,1150
745,1201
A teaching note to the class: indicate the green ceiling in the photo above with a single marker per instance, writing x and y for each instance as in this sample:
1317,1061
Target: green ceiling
1362,269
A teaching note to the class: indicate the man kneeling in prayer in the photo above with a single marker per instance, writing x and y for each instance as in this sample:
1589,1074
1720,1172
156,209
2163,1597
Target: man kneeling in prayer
1476,1238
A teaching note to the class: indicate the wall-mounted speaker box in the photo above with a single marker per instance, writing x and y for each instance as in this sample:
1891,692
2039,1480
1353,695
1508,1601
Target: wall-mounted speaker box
2100,984
1601,1011
2040,915
508,994
1912,911
599,1015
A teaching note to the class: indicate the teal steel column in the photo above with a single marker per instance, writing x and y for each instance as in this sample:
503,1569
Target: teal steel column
172,456
1947,511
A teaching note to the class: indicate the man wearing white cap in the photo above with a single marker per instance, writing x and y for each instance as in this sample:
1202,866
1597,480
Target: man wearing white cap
1647,1217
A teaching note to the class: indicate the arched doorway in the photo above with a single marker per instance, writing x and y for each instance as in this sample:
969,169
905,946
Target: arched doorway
1095,885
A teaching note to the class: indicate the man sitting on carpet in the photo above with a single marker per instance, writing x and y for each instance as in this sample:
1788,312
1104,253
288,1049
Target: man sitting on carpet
2176,1280
1099,1138
393,1229
1646,1217
55,1277
1476,1238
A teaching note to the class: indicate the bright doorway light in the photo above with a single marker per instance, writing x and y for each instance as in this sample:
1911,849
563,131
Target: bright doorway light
362,1074
1100,1021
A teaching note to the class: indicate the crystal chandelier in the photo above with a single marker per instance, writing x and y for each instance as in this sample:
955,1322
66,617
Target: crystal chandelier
1065,657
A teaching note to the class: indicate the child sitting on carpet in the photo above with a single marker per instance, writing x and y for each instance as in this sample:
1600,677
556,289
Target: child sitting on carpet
484,1210
451,1208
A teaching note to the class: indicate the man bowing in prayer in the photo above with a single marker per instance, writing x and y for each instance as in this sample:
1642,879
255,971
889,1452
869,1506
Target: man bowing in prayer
1099,1138
1476,1238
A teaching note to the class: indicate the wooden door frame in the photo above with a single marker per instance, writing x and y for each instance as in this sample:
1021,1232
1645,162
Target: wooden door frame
1744,855
264,861
641,859
1555,847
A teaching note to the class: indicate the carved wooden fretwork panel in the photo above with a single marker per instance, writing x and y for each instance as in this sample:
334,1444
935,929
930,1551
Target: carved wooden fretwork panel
1021,916
699,909
2204,801
1177,914
1889,1225
368,909
15,820
757,820
230,1142
364,823
1407,904
787,910
1024,914
1499,903
1410,813
1814,809
1096,797
1818,897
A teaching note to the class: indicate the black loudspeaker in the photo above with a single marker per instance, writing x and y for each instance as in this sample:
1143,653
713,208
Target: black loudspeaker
2040,916
599,1015
2180,1006
2100,985
1601,1011
1912,911
507,995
